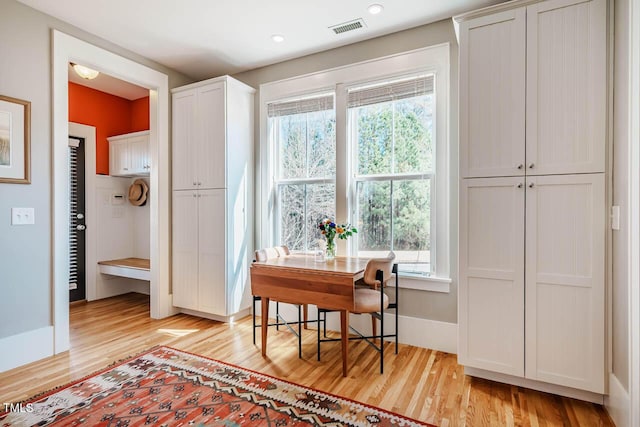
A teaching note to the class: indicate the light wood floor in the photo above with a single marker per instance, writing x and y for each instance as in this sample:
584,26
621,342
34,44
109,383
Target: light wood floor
420,383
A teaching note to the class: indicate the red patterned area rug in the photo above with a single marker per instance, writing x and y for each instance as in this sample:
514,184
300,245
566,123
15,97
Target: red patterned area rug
168,387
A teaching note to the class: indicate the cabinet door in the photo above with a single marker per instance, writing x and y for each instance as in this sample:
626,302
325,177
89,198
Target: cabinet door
565,322
119,160
139,154
491,293
566,87
211,151
185,249
212,232
184,136
492,95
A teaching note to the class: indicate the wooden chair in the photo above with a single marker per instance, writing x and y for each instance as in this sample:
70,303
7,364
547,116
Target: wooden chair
370,298
265,255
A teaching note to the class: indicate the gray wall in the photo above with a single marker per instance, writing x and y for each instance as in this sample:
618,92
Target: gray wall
25,251
620,285
429,305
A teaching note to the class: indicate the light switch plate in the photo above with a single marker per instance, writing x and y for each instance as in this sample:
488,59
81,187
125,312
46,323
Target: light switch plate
23,216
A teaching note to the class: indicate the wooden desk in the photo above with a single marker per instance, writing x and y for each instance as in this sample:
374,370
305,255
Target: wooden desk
299,279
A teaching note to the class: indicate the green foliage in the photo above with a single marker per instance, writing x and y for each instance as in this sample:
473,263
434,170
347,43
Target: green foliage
393,137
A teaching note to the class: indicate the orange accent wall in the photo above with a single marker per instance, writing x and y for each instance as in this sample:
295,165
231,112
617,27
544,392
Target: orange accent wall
109,114
140,114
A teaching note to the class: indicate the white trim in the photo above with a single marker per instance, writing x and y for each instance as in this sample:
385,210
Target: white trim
431,284
69,49
536,385
26,347
425,333
128,135
91,245
225,319
634,212
433,59
618,403
132,273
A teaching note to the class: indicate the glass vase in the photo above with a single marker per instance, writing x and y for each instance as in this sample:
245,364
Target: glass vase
330,253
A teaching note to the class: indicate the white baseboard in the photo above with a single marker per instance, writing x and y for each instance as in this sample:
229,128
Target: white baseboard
618,403
26,347
225,319
425,333
536,385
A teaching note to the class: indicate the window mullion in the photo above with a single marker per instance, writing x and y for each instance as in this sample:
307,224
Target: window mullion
391,217
304,216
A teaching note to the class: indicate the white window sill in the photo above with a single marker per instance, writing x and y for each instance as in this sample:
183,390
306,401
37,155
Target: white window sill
431,284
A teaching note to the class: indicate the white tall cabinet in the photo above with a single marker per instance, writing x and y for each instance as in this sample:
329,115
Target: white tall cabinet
212,195
533,116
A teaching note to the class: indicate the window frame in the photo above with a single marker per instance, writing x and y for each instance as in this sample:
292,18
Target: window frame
431,60
278,183
396,177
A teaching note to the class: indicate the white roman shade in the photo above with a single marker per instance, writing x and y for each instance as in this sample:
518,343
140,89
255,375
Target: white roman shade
391,91
306,105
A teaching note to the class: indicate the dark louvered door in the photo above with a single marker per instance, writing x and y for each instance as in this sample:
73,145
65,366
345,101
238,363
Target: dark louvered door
77,286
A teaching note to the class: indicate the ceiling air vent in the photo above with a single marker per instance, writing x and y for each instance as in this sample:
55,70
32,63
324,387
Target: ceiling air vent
348,26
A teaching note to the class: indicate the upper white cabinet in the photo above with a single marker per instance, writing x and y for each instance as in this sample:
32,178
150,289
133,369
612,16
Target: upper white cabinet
492,91
566,87
544,65
533,119
212,193
129,154
199,137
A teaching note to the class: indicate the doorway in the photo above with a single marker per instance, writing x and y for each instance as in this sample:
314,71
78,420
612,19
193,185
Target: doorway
77,227
69,49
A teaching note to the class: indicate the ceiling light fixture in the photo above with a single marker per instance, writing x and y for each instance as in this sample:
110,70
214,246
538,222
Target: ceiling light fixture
84,72
375,9
278,38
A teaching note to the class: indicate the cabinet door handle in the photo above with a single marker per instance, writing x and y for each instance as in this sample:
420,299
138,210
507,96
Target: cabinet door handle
531,166
520,185
194,183
531,185
194,195
520,166
125,169
199,183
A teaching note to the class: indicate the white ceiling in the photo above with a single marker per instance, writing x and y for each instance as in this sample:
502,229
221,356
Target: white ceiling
206,38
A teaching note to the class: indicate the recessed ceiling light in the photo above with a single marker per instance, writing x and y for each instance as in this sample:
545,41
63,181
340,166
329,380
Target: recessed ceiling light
375,9
278,38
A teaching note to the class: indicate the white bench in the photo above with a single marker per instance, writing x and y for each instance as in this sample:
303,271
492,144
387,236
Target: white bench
134,268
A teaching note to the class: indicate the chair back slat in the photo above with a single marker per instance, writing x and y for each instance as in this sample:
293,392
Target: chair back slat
383,264
271,253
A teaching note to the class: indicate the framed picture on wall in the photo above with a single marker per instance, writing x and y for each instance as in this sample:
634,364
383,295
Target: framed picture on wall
15,140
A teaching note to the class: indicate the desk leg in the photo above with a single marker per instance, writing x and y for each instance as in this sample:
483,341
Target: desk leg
264,318
344,334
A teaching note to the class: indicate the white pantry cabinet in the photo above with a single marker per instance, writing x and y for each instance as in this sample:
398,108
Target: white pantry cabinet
199,132
533,119
544,64
565,252
491,303
212,194
129,154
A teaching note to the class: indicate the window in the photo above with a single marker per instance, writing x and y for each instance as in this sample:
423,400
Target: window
390,133
303,132
366,144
